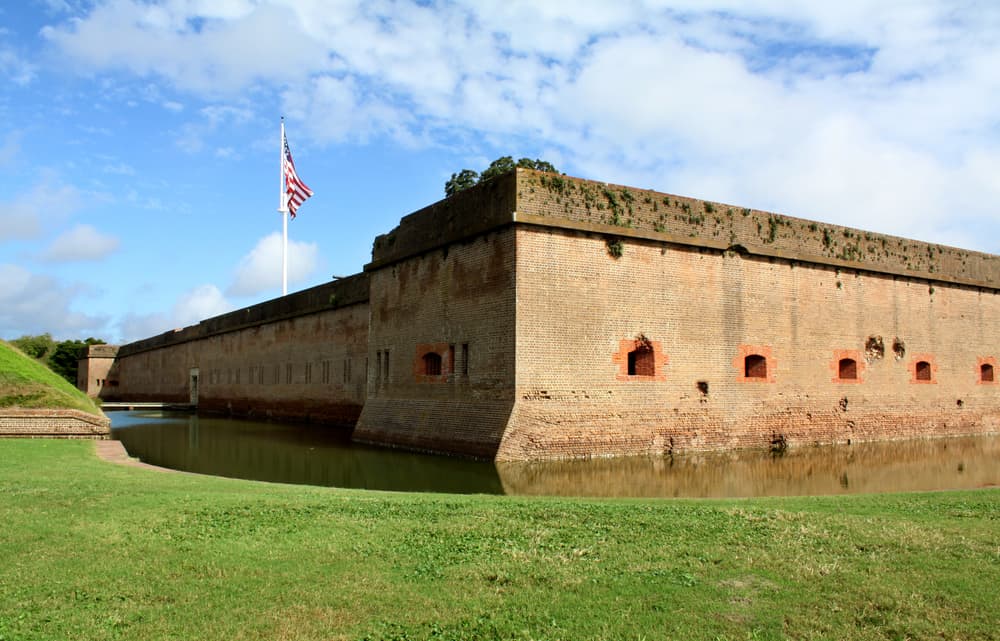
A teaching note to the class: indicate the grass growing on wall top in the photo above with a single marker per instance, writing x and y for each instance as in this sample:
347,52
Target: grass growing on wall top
26,383
90,550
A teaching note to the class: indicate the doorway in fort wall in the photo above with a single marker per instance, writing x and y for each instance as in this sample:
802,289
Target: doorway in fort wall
193,385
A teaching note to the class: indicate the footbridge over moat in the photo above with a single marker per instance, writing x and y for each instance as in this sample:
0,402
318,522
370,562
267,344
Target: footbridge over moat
111,406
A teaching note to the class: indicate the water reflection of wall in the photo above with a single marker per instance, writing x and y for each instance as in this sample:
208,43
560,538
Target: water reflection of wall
294,454
307,454
898,466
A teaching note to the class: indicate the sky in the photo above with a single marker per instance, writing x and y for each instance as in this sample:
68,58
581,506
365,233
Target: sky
139,144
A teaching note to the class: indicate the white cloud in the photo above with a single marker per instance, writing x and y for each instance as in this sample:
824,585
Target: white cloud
230,114
120,169
204,301
35,303
260,270
47,202
10,149
872,112
193,135
15,69
199,46
80,243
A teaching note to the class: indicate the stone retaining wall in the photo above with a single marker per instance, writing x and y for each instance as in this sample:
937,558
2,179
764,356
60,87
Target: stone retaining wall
53,424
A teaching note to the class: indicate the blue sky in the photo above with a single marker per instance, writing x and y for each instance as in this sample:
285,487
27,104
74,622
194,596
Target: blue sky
140,140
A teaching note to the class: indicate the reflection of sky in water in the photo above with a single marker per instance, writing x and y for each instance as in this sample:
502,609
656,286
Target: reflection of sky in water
315,455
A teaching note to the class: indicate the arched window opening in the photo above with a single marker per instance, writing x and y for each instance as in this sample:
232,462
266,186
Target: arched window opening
641,362
432,364
755,366
986,373
923,371
847,369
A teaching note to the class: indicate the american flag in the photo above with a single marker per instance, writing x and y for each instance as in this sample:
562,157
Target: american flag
296,191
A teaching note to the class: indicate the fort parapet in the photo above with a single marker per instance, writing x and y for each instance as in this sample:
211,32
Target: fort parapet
301,356
540,316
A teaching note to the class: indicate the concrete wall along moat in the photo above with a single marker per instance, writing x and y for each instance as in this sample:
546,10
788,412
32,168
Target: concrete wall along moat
499,323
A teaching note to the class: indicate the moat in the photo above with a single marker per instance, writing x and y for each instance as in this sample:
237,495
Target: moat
314,455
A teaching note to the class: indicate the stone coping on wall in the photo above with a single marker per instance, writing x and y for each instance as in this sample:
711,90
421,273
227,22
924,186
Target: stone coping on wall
536,198
351,290
52,423
101,351
467,214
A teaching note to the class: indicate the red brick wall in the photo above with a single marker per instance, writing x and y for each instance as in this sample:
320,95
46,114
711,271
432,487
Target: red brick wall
94,376
707,310
440,301
309,367
52,423
518,274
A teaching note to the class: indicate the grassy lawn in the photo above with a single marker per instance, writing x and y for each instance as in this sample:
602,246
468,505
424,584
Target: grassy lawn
28,384
92,550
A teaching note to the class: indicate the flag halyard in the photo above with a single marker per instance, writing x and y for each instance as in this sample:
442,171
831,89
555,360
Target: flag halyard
296,191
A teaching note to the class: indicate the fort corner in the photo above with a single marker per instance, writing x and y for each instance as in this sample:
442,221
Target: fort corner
542,316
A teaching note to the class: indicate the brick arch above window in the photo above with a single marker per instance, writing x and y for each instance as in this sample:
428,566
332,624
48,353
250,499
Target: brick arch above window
640,360
433,357
755,364
923,369
986,371
844,362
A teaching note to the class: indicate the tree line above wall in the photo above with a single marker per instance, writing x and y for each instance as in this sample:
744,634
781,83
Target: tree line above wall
468,178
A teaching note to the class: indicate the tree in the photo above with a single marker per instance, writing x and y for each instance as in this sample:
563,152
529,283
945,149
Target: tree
63,360
36,347
498,167
538,165
462,180
467,177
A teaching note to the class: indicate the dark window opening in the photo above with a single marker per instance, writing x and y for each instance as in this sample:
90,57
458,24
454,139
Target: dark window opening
848,369
703,387
465,359
432,364
641,362
986,373
923,371
755,366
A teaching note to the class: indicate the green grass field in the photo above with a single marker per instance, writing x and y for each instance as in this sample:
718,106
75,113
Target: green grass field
29,384
93,550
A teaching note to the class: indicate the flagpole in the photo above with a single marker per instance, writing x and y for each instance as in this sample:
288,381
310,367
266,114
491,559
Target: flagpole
283,209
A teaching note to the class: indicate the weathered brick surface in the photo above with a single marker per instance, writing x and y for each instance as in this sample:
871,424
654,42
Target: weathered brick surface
325,297
96,374
461,296
52,424
745,315
306,365
559,200
709,309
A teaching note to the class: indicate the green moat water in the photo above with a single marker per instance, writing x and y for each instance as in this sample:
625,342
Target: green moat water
313,455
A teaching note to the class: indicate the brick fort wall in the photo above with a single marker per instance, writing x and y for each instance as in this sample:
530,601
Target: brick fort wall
541,316
300,357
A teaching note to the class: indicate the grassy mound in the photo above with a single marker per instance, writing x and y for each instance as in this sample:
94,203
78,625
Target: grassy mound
27,384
